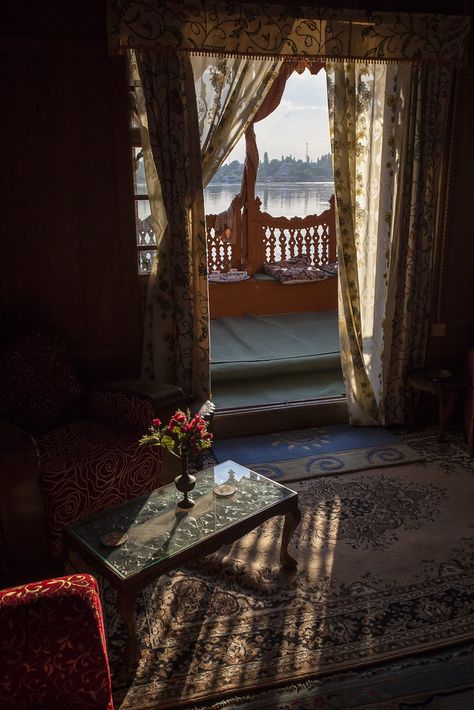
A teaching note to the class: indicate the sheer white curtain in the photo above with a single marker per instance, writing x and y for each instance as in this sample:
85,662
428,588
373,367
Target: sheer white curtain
229,92
388,127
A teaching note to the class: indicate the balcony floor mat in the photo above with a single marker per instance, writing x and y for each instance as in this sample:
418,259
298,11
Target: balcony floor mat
253,346
282,389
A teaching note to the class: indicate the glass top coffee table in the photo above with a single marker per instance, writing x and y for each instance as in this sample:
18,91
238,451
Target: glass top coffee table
134,543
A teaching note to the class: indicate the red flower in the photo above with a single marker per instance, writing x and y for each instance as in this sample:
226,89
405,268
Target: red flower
182,435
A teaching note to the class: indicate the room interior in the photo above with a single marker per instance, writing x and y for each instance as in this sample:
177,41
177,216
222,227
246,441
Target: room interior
69,257
69,263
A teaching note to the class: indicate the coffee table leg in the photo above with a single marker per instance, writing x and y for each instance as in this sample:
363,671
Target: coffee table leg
292,519
126,607
447,399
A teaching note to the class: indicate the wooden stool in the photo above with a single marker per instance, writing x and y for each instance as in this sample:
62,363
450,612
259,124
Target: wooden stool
442,383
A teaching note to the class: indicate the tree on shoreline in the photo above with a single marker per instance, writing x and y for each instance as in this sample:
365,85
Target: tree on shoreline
287,169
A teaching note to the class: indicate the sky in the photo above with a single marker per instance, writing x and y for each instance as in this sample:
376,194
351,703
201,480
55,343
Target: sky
301,118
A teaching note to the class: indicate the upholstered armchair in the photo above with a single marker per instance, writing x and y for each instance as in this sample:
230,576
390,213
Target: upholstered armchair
52,646
66,451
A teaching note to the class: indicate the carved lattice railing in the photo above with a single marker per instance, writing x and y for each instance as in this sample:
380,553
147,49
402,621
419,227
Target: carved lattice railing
312,236
264,239
146,243
220,253
224,254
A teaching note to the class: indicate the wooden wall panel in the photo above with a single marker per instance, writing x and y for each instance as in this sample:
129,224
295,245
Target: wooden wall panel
453,297
68,254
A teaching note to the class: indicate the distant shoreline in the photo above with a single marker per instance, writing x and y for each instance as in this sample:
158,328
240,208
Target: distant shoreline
272,183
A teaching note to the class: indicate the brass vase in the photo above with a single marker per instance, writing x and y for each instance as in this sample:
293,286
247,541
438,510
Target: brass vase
185,483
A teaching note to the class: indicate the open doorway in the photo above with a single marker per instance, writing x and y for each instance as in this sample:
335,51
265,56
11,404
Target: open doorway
273,286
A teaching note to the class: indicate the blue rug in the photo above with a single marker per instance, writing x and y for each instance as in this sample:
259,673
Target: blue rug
307,453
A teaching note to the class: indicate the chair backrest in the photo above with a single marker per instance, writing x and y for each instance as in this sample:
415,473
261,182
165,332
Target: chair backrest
38,383
52,646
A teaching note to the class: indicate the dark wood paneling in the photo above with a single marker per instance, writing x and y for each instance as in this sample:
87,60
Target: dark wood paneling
68,254
453,298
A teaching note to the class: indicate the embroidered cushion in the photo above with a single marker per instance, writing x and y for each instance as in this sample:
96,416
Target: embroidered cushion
38,384
294,271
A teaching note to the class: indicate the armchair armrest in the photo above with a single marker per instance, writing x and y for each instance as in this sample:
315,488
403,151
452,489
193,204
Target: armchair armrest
132,403
52,646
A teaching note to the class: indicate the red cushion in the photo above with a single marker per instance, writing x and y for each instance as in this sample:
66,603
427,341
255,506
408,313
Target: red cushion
38,385
52,646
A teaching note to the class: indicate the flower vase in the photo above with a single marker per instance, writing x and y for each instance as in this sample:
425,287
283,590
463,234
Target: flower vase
185,483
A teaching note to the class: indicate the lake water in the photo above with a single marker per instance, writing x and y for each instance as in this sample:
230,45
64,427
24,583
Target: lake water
296,199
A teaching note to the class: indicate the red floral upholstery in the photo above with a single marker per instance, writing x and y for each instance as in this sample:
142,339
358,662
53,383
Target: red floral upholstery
469,403
52,646
88,466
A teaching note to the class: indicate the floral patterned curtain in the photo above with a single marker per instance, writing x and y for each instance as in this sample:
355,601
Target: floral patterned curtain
176,330
418,216
388,129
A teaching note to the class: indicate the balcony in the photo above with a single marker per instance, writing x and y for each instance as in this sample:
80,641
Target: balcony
273,344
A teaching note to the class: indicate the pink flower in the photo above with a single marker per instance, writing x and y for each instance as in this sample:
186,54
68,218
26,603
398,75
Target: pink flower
156,422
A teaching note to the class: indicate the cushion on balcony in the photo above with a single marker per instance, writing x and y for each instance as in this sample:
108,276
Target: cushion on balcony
88,466
52,646
294,271
38,384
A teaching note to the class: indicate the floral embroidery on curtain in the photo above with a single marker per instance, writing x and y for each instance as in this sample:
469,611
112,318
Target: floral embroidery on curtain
223,88
176,329
255,29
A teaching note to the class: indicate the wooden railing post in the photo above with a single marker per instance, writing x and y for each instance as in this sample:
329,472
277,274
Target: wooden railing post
237,258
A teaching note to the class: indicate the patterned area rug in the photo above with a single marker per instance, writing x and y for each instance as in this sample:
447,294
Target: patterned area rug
386,570
305,453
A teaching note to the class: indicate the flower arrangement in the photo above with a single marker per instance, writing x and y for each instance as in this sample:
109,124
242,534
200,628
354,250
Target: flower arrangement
184,435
